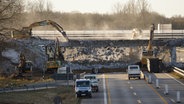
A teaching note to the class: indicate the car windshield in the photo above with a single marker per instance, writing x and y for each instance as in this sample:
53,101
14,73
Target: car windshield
83,84
94,81
90,77
133,67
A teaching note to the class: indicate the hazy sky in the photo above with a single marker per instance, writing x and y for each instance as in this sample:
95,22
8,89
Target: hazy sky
168,8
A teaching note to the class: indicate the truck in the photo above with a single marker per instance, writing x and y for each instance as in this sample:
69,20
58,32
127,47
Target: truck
83,88
134,71
94,81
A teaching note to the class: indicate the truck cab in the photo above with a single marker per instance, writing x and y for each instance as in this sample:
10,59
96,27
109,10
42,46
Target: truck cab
134,71
94,81
83,88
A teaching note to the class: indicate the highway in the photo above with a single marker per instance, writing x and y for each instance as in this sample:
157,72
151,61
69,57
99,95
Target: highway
115,88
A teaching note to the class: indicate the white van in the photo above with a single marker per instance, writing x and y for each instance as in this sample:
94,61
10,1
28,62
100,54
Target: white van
94,81
134,71
83,87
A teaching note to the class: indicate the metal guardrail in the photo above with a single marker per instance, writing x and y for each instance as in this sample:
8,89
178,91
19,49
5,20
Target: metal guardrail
110,34
179,71
27,88
35,87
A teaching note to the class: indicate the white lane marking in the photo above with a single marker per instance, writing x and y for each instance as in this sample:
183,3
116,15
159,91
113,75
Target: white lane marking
139,101
131,87
175,79
173,100
134,93
104,87
128,82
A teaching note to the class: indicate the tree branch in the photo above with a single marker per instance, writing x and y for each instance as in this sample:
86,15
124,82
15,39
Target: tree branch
9,5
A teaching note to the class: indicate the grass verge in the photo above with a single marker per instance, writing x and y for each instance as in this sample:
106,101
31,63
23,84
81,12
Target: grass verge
47,96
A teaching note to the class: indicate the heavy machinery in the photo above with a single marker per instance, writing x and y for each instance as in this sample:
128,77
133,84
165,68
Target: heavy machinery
26,32
149,58
55,56
24,66
148,53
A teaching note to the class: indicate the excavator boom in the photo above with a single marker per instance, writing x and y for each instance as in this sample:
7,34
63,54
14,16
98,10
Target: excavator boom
27,31
152,29
149,52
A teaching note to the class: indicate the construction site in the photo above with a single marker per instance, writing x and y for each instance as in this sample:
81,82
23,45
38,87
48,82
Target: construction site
83,54
43,52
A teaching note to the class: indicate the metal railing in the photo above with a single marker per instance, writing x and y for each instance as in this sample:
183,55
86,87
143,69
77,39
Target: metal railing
27,88
179,71
111,34
38,86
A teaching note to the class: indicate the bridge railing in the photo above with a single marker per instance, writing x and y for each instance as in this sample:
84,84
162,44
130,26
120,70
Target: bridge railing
110,34
179,71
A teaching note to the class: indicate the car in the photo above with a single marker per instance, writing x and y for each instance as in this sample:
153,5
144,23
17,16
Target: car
134,71
83,88
94,81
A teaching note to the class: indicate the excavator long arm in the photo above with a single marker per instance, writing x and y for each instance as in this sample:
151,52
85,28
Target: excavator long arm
152,29
44,23
149,52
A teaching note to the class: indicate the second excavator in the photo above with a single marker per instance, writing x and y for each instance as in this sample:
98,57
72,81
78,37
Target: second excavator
148,53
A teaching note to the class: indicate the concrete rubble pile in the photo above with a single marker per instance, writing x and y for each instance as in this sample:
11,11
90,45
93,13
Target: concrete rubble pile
89,55
75,57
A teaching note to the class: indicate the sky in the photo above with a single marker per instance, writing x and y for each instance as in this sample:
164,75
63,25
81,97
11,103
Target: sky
167,8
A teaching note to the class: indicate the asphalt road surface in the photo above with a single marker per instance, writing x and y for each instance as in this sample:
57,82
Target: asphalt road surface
115,88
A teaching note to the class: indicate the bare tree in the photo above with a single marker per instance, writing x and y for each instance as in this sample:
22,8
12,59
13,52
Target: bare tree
144,12
130,7
49,6
39,6
9,10
118,8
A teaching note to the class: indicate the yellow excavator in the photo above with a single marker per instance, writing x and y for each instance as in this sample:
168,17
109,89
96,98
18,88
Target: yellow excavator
24,67
149,58
146,54
26,32
55,56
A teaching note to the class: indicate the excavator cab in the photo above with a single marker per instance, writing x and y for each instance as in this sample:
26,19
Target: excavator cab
24,33
24,66
145,56
147,53
27,31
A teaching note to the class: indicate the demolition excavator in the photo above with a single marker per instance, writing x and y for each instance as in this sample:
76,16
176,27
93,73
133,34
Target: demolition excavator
53,50
149,58
24,66
148,53
55,56
26,32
